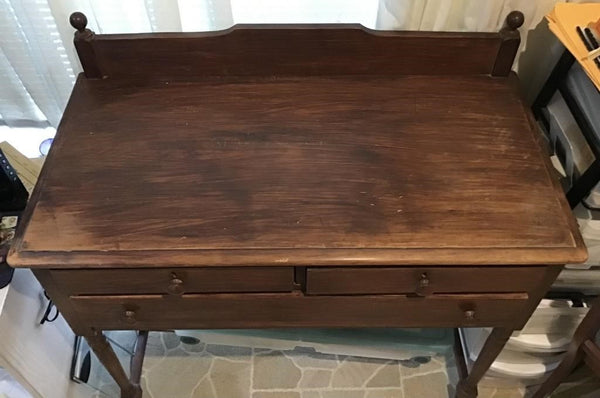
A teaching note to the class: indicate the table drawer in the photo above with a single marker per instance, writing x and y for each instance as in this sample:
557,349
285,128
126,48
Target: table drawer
421,280
222,311
175,281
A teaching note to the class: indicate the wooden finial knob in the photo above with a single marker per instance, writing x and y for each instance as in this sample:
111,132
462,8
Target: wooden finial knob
514,20
79,21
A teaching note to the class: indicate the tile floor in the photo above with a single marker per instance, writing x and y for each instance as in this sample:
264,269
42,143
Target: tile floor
173,369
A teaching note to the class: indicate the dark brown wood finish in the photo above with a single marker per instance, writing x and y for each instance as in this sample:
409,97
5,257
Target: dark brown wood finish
221,311
511,39
592,356
263,50
421,280
402,193
175,281
137,361
296,176
83,42
467,388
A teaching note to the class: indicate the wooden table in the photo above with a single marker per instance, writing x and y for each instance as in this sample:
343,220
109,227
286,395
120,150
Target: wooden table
296,176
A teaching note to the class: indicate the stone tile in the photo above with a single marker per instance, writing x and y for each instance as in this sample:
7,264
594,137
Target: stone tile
388,376
204,389
183,370
177,352
422,359
276,394
110,389
451,389
313,360
230,379
315,378
354,372
176,375
311,394
501,392
452,372
275,371
150,361
145,391
436,364
385,393
302,350
409,364
171,340
433,385
233,352
376,361
486,392
123,341
193,348
343,394
155,346
510,393
102,379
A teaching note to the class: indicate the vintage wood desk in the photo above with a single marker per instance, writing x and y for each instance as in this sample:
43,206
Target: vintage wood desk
296,176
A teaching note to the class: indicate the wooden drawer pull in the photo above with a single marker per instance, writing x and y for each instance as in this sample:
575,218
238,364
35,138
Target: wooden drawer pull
423,285
175,286
129,316
470,315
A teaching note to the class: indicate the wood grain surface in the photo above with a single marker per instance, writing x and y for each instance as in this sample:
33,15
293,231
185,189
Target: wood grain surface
160,280
311,171
423,281
292,50
296,310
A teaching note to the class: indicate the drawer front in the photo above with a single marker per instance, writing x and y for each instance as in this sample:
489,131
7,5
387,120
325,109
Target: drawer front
174,281
222,311
421,280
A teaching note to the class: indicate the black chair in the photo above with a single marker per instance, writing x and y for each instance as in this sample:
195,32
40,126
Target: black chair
581,187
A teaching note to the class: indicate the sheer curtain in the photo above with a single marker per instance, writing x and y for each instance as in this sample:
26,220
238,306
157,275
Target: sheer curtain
458,15
38,64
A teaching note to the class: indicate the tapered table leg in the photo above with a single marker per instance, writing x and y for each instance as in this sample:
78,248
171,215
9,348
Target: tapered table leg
467,388
105,353
137,361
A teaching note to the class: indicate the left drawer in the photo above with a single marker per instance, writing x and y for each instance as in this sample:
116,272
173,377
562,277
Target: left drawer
174,281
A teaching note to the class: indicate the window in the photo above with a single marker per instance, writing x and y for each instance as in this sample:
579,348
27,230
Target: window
305,11
38,63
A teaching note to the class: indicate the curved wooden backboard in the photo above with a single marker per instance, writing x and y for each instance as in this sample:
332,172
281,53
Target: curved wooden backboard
288,50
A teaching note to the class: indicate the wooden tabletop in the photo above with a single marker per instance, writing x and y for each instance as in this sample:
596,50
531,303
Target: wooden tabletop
303,171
